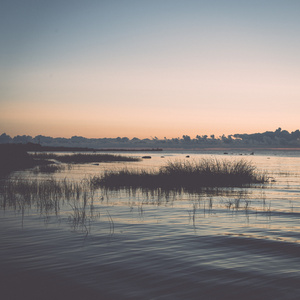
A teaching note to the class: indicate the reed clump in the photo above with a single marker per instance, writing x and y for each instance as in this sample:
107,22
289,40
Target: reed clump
186,174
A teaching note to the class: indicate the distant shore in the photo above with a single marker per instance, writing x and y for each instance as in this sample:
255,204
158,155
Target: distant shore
233,149
31,147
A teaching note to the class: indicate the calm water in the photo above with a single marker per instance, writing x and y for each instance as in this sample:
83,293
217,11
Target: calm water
230,244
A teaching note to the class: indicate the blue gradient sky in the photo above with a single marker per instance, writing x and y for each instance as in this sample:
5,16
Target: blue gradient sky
149,68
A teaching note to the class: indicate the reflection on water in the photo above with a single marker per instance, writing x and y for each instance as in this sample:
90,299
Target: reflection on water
153,244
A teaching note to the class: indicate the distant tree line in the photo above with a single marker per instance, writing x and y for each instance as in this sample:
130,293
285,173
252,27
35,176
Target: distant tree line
269,139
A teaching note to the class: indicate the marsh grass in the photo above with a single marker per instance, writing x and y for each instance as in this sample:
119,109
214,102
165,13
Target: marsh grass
190,176
208,178
47,197
84,158
111,223
192,213
79,216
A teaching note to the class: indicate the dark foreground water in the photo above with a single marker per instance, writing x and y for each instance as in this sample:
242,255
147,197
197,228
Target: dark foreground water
230,244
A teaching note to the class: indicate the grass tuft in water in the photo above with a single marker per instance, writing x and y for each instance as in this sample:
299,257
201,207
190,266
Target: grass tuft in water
187,175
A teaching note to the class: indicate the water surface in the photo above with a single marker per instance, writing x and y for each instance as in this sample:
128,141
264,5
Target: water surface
240,243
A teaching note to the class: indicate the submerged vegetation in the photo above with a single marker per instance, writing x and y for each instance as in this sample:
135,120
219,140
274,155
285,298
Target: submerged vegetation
14,157
187,175
84,158
51,168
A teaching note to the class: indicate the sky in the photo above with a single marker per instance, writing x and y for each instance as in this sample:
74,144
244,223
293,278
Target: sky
145,68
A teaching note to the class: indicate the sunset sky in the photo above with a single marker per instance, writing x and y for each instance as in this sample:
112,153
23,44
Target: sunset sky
145,68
